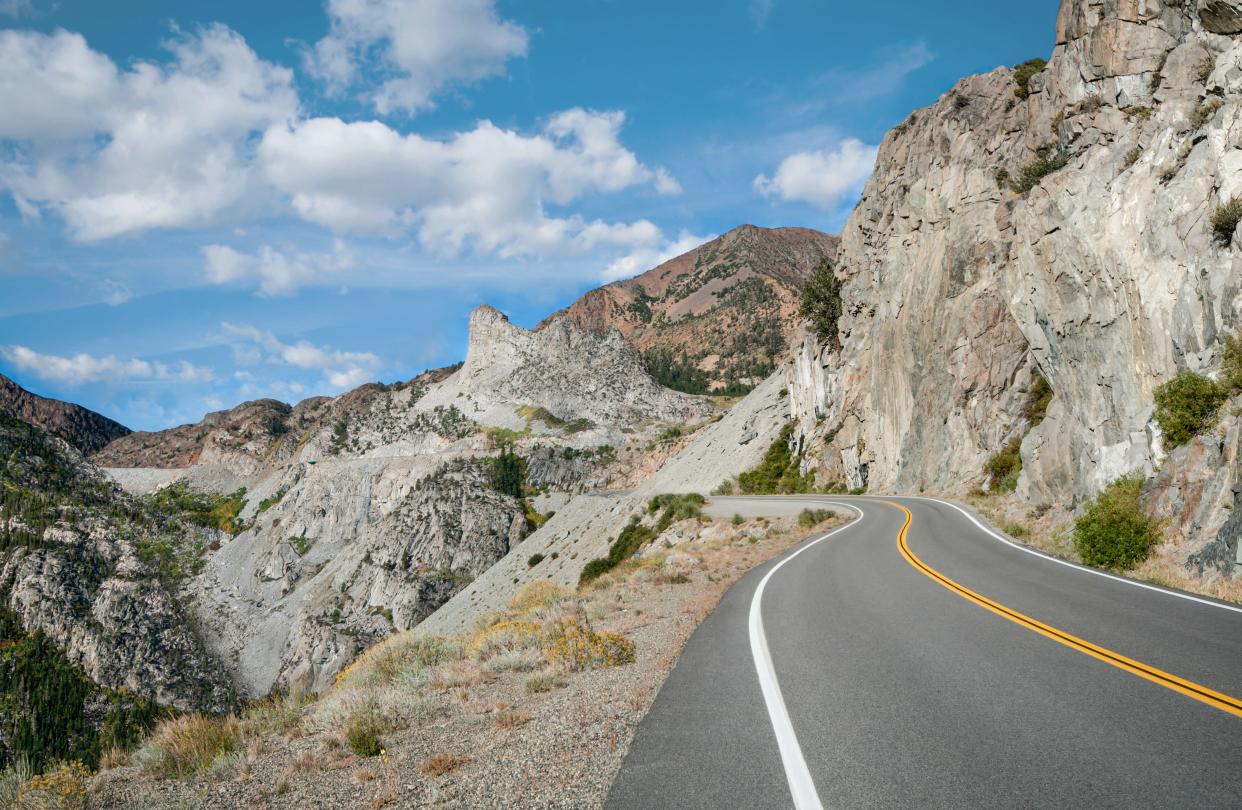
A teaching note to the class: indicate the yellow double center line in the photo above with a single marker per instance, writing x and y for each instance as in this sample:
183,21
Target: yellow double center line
1169,681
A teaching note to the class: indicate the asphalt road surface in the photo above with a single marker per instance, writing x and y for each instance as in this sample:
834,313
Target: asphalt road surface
960,671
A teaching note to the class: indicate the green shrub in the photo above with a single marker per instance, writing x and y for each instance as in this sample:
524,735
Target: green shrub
821,303
534,560
1048,159
1023,73
778,473
813,517
1039,397
362,733
1113,532
1004,467
1014,529
633,537
1231,364
1225,221
738,520
507,472
677,507
1185,405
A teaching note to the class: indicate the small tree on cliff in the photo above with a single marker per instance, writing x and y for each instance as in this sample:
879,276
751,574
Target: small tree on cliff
821,304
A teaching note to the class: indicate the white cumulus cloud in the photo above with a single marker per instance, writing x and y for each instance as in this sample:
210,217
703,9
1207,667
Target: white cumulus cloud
642,260
85,368
153,146
487,188
341,369
418,47
822,178
275,272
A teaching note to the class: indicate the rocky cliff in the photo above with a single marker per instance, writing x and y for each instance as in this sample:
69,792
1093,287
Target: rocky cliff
82,428
719,317
1059,225
98,573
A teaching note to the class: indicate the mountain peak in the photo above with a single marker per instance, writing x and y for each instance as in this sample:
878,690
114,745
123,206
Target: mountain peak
716,317
82,428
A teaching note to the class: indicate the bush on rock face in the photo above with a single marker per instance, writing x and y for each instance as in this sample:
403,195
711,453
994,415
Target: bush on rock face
1113,532
1186,405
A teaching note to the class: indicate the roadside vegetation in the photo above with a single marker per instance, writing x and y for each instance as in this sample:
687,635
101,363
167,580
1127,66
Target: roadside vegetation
1113,531
636,535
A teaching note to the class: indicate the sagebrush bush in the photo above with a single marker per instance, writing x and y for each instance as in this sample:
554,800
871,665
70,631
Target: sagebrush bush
1113,532
573,645
62,787
1186,405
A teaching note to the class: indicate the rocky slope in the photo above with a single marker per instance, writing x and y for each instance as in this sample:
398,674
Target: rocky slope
365,512
719,317
82,428
1063,229
94,571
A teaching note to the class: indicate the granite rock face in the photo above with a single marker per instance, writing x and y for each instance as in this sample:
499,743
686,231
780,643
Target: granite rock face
75,563
1100,273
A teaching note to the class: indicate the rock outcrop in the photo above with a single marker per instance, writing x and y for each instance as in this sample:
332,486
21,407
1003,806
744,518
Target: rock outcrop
80,561
1061,229
566,371
84,429
724,312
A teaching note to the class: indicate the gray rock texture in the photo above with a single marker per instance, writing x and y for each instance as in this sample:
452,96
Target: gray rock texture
1104,276
75,563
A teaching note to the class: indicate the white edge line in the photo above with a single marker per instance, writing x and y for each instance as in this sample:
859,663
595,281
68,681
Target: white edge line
1075,566
801,786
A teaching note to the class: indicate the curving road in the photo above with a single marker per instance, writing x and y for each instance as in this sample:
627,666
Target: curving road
913,658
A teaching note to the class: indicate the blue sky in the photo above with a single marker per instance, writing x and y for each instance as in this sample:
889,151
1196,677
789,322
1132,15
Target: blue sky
207,202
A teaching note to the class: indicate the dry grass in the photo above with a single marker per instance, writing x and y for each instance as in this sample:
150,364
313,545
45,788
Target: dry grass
186,745
538,595
457,675
1162,568
510,718
441,764
114,757
540,682
364,775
